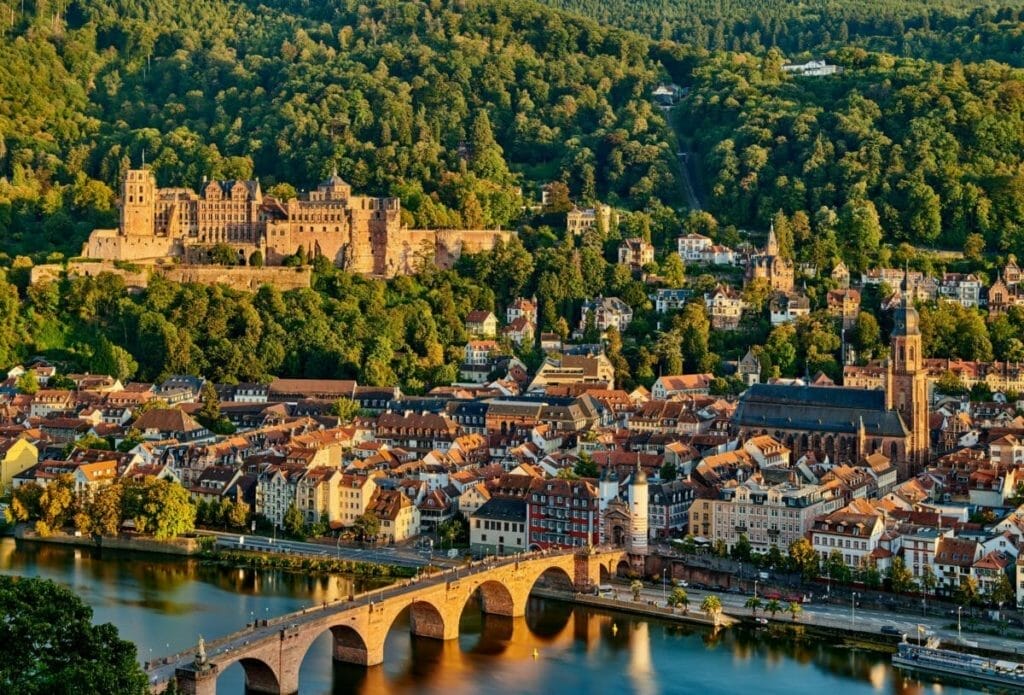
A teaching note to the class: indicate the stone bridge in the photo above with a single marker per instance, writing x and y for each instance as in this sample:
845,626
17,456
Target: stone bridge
271,651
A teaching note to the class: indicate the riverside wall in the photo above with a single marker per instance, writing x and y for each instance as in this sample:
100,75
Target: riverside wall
177,546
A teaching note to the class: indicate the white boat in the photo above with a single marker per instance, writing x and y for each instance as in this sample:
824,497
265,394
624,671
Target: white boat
959,665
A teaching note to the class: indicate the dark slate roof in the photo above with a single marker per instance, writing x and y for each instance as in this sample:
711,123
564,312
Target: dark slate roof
502,509
818,409
459,409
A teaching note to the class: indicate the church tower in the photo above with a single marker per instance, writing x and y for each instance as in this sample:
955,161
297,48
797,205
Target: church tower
772,247
907,389
138,203
638,511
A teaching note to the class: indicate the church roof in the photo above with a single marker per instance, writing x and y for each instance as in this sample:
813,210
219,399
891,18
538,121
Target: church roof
818,409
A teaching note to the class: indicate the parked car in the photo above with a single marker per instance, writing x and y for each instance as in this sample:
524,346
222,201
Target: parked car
892,630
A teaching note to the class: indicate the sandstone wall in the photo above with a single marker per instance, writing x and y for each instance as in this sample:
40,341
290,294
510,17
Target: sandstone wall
240,277
134,278
106,244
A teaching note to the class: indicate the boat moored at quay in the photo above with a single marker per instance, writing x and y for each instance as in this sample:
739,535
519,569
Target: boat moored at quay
930,659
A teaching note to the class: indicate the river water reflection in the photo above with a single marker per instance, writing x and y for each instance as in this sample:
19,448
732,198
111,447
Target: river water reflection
164,604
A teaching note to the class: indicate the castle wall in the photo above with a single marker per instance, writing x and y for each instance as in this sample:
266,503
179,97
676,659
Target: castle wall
236,277
240,277
108,245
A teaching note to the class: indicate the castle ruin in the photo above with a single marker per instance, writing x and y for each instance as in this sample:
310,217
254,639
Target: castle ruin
360,234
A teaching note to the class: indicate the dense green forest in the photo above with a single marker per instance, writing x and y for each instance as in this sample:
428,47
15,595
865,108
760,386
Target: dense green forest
457,108
891,150
463,110
942,30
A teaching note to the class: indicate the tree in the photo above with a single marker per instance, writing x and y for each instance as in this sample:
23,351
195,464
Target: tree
256,259
974,246
25,503
741,550
113,360
968,593
950,384
451,531
56,505
636,586
238,517
794,609
209,413
928,579
1002,592
804,558
867,336
586,467
719,548
222,254
836,568
104,510
712,607
679,599
773,606
366,526
27,383
901,580
159,507
673,272
345,409
668,471
51,646
753,603
293,521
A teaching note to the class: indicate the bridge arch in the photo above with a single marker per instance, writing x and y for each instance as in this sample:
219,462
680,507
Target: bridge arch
495,598
260,677
349,645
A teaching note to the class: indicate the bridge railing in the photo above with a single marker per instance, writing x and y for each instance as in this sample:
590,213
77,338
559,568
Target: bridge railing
364,598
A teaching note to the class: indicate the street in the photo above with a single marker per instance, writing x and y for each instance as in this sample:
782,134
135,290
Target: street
405,557
833,615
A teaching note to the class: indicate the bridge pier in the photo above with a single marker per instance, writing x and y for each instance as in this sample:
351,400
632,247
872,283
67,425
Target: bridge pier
194,682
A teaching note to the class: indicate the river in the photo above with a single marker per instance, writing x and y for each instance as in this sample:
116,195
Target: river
164,604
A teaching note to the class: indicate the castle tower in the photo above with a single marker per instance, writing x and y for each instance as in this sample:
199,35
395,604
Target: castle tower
138,203
638,511
907,390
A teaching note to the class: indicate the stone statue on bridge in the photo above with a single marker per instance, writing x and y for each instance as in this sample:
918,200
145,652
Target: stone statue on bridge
200,661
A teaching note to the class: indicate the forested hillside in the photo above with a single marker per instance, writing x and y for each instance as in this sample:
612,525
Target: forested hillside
935,29
891,150
453,107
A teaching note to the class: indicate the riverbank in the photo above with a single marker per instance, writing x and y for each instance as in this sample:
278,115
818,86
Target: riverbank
810,626
180,547
199,549
649,610
305,564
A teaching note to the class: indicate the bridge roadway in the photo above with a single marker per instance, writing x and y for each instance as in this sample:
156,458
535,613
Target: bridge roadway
271,651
